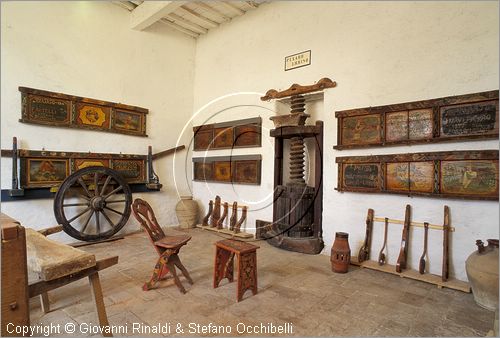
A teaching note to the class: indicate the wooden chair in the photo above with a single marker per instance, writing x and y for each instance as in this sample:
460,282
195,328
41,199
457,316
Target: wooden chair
167,246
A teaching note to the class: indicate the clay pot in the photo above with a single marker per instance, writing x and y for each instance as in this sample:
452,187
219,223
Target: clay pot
482,270
187,212
341,253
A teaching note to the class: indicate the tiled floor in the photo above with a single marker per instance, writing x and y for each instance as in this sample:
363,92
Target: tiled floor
293,288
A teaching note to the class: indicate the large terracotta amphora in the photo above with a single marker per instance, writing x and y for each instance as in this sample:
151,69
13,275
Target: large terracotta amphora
187,212
482,271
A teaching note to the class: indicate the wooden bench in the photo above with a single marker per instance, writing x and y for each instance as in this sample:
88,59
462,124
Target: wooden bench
53,265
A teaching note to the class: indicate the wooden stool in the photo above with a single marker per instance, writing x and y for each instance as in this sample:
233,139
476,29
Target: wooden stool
247,265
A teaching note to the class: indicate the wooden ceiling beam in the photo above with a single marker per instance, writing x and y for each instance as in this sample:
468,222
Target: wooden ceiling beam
213,11
150,12
186,23
232,8
179,28
197,17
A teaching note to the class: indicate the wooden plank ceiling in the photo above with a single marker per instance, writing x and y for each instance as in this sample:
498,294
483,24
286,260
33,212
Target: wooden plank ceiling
193,18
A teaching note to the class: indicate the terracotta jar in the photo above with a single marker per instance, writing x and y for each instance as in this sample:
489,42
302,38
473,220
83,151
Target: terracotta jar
187,212
482,270
341,253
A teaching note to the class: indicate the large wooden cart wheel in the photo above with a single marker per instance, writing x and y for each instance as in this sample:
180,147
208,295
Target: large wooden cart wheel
93,203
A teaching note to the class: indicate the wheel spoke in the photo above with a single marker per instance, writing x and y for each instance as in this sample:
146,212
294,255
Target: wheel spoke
113,210
84,186
75,204
112,192
86,222
105,184
98,222
96,181
84,197
81,213
118,201
107,219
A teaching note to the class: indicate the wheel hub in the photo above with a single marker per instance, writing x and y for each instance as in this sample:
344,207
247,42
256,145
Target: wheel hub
97,203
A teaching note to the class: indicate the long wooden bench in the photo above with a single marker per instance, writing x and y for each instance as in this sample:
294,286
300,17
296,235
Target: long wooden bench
52,263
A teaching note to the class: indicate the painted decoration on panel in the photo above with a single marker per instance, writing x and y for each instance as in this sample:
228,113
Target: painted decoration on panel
246,171
203,139
456,174
473,119
232,134
92,115
203,171
470,177
462,117
127,121
223,137
247,135
410,176
131,170
365,176
396,126
361,129
63,110
421,124
46,171
81,163
46,110
222,171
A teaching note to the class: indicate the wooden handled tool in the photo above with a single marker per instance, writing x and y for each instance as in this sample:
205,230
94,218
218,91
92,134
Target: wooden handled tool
403,253
209,213
446,229
421,265
364,251
381,255
220,223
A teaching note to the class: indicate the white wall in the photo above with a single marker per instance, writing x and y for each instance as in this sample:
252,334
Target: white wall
88,49
379,53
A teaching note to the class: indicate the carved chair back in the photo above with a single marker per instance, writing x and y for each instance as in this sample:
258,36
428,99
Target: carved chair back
146,217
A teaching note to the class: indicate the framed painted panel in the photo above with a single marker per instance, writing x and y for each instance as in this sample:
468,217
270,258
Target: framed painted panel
246,171
58,109
43,172
243,169
396,126
248,135
203,171
203,138
361,176
469,119
474,177
454,174
361,129
223,137
46,110
222,171
226,135
127,121
93,116
463,117
420,123
133,171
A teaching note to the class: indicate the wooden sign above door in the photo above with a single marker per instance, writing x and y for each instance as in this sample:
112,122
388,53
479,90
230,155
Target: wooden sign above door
463,117
62,110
